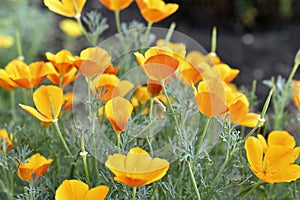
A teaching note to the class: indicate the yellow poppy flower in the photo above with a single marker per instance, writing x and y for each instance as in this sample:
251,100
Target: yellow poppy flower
62,61
62,79
109,86
227,73
158,64
137,168
92,61
177,48
5,82
6,41
141,96
77,190
118,111
27,76
4,136
70,27
48,101
67,8
156,10
116,5
34,167
210,97
273,162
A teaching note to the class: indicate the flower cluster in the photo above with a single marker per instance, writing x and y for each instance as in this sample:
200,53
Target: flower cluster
131,114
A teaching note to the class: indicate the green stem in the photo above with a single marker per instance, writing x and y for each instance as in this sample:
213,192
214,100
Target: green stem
253,187
278,123
77,17
150,145
214,40
193,181
221,170
170,33
19,46
170,104
117,20
295,189
62,138
203,136
262,115
13,103
147,31
83,154
119,141
133,193
25,99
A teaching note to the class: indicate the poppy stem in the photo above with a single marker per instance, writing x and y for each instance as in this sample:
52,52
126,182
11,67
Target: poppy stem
133,193
117,20
170,104
119,141
192,177
214,40
249,190
13,103
25,99
83,154
279,115
62,138
147,31
203,136
170,33
262,115
77,17
19,46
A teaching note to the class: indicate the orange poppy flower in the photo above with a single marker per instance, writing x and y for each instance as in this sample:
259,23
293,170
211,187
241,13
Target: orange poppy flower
296,93
4,136
227,73
210,97
110,69
158,64
69,99
156,10
118,111
62,79
238,105
48,101
33,168
273,162
27,76
67,8
109,86
62,61
92,61
116,5
5,82
137,168
154,87
77,190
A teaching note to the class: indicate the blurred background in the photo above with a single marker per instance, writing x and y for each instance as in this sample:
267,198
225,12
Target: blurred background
259,37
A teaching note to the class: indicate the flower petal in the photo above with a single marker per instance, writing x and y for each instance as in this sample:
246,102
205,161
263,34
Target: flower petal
71,190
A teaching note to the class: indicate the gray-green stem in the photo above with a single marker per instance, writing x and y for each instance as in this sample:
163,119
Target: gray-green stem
84,156
194,184
62,138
